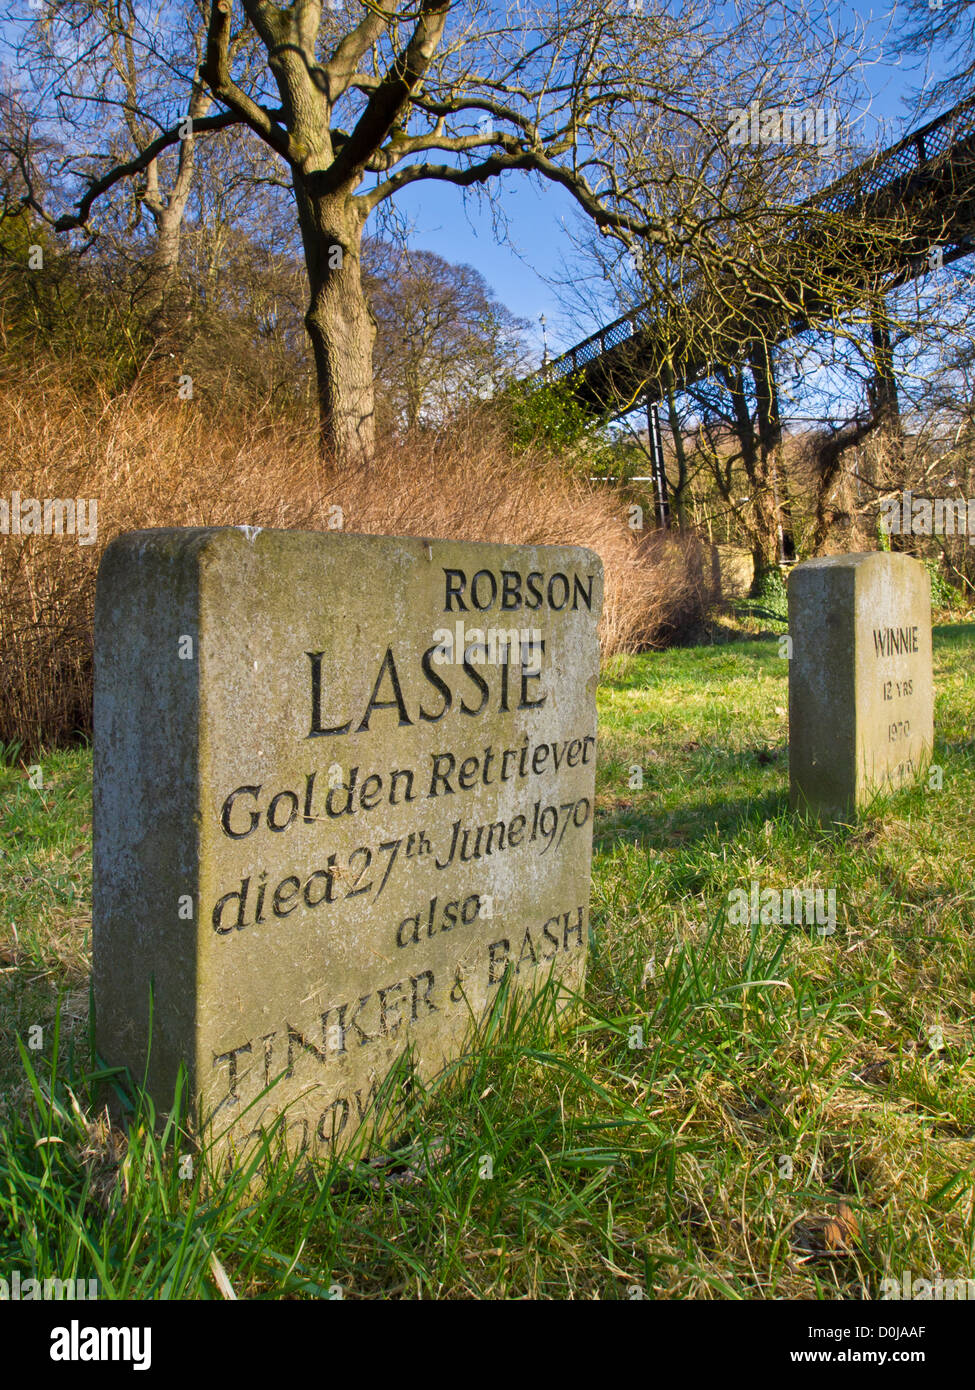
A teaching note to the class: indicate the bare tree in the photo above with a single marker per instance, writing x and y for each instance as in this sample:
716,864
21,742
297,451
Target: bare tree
715,328
942,31
359,101
110,74
442,337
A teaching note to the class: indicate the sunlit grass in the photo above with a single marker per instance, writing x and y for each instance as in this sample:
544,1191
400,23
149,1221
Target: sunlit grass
731,1111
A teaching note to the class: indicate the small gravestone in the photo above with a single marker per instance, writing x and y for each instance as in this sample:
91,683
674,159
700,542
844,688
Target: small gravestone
343,786
861,698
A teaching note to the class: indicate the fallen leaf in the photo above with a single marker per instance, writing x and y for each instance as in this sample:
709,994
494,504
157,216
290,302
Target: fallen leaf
841,1231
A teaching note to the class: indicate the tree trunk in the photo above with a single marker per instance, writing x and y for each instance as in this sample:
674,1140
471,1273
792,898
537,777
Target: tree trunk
163,264
828,462
340,326
168,212
770,442
762,530
882,389
884,405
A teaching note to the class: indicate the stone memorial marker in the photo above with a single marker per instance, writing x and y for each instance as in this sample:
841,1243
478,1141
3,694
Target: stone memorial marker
861,697
342,784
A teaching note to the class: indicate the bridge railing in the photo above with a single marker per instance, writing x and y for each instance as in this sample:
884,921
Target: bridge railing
900,161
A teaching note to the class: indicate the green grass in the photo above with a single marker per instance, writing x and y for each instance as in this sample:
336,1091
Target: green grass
797,1122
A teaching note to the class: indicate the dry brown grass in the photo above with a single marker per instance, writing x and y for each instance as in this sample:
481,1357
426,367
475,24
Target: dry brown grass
151,460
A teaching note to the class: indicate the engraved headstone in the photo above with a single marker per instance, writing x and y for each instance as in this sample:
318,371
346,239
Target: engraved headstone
861,697
343,784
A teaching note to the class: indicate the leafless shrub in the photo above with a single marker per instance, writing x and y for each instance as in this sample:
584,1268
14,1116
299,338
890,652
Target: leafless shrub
151,460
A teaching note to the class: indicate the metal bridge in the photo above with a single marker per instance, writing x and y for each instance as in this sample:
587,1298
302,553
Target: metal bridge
926,179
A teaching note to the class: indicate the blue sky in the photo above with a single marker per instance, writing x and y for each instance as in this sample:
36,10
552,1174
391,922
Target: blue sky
520,272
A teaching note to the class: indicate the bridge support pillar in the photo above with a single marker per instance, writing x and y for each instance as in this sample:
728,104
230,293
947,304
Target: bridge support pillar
657,470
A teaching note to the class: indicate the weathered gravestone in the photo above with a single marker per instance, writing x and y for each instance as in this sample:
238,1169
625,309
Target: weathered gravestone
861,699
342,784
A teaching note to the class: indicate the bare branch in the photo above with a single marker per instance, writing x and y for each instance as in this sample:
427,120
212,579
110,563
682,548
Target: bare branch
349,52
216,72
392,93
141,162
